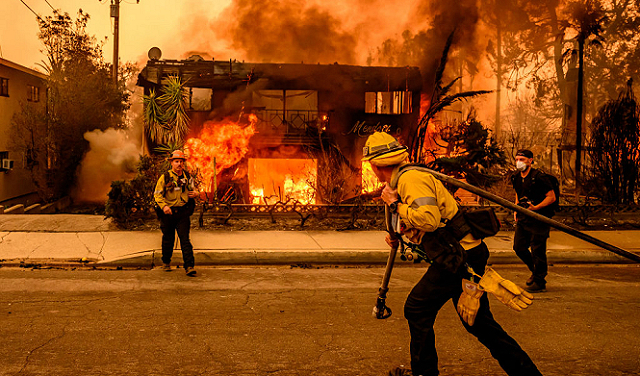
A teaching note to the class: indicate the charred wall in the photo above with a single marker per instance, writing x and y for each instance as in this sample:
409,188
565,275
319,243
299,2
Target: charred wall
348,105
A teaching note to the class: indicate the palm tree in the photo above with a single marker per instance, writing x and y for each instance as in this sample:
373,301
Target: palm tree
440,99
588,17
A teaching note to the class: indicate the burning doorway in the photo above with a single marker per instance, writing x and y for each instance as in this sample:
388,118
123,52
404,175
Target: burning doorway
369,182
282,179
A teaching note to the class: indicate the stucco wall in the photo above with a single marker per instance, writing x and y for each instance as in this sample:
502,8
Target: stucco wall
16,182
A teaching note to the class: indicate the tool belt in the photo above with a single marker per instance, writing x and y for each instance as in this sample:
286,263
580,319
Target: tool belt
442,246
186,209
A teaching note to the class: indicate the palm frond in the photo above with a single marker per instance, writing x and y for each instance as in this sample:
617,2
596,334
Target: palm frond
446,89
468,94
168,148
443,60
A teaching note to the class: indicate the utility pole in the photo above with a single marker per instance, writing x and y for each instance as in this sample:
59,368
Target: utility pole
115,14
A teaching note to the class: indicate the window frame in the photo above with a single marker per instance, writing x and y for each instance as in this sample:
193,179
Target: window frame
33,95
4,87
397,102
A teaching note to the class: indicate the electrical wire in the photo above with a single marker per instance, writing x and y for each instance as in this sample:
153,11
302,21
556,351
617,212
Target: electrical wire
52,8
32,11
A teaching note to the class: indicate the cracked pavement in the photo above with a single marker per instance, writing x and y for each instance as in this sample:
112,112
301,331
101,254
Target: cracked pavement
292,321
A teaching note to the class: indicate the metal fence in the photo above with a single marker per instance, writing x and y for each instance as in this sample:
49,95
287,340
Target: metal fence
287,122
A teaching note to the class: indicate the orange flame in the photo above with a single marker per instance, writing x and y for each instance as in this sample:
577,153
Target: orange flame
279,179
226,141
425,102
370,181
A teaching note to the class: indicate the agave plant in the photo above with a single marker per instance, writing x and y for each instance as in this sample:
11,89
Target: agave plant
153,117
168,148
165,115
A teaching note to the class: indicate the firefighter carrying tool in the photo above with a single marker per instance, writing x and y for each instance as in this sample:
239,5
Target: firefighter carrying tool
428,217
381,311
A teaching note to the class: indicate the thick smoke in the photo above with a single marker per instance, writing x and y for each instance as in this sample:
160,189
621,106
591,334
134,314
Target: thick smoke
425,35
391,33
112,156
286,31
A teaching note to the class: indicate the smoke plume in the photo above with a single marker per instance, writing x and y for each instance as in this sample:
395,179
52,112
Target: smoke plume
286,31
391,33
112,156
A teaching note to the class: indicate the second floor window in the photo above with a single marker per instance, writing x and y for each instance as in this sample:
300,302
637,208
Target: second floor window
34,94
388,102
4,87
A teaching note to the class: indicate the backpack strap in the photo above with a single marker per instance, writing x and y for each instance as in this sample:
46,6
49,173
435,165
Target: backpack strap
168,181
535,173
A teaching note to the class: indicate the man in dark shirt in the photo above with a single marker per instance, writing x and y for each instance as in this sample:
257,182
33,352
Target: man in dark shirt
534,192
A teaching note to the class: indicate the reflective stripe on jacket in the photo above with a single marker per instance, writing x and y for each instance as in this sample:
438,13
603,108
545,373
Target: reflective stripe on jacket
425,203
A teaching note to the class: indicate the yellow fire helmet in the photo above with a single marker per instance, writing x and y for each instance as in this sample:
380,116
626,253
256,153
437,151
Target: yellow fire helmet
382,149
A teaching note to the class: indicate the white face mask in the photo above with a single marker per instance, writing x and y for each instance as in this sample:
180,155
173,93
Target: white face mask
521,166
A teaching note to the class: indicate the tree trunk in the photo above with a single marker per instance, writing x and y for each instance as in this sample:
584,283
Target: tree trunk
579,112
497,127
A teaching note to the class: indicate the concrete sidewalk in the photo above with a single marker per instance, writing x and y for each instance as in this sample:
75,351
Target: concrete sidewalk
89,240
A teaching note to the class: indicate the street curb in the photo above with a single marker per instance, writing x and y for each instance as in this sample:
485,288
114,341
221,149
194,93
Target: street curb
152,258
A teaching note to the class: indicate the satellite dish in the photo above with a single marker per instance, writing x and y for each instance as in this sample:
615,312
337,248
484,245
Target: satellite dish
154,53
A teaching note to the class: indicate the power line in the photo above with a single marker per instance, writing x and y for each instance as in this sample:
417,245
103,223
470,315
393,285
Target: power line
52,8
32,11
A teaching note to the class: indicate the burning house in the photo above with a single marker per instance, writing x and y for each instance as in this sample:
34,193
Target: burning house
287,131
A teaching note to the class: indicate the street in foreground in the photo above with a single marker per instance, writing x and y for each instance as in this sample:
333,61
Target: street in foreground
293,321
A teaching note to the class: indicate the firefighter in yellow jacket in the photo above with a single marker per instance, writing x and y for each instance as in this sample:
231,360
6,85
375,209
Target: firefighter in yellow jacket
425,206
174,196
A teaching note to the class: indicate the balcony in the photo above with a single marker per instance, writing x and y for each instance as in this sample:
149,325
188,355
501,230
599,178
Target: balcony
287,122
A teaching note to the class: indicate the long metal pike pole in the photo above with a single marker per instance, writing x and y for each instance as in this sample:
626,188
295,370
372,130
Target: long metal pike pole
381,311
555,224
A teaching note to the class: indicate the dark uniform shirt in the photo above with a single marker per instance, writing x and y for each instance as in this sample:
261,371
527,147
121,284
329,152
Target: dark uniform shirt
534,187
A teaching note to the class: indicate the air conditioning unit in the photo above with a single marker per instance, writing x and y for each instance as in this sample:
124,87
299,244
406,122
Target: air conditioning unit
7,164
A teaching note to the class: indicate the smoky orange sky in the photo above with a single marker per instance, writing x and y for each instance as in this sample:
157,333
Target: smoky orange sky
343,31
287,31
160,23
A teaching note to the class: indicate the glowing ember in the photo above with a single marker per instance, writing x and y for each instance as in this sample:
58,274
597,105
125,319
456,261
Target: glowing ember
370,181
226,141
279,179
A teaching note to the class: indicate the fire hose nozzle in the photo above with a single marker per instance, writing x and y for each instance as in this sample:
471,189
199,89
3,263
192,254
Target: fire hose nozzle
380,310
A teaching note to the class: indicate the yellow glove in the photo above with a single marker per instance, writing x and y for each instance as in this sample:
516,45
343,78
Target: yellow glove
469,302
506,291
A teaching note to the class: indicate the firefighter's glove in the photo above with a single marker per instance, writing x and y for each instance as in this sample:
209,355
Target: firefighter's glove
506,291
469,301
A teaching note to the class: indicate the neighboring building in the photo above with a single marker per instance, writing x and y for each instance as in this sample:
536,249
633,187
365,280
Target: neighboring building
303,110
18,84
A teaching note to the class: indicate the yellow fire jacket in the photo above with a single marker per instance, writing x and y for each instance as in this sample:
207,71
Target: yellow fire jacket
174,195
425,204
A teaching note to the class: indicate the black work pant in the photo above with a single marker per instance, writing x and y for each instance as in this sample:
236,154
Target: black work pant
435,288
178,222
534,237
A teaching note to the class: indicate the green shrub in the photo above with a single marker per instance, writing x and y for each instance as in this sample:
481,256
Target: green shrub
131,201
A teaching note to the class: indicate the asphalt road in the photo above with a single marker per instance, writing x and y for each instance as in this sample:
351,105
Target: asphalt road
293,321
